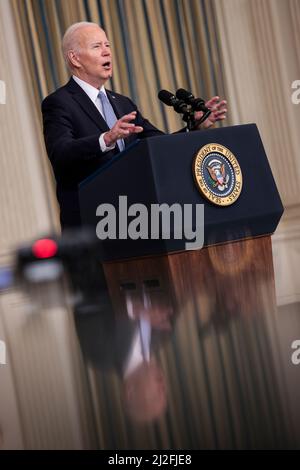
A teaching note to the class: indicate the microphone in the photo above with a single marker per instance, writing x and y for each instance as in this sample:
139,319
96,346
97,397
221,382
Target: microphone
198,104
170,100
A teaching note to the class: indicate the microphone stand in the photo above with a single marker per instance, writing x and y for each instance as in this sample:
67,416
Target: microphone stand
186,105
189,118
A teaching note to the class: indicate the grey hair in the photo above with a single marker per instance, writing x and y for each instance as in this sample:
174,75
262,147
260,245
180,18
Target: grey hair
70,40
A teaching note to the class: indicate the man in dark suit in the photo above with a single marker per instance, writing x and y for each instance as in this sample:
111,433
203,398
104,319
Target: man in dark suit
126,346
86,125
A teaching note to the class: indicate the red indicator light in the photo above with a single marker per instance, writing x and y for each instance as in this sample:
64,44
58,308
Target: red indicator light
44,248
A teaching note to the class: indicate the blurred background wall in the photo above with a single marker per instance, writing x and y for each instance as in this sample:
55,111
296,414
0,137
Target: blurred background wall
245,50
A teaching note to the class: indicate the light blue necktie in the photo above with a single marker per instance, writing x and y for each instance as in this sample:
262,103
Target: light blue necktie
109,116
145,336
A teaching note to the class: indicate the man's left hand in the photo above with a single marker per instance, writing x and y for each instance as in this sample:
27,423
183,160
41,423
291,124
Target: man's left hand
218,113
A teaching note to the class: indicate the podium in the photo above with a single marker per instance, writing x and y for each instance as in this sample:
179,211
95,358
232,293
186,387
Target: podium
216,305
236,261
159,170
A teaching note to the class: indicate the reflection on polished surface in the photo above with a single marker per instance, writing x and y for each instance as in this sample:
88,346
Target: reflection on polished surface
210,374
170,352
126,348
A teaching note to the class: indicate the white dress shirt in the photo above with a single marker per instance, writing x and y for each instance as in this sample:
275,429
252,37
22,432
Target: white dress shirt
93,93
140,347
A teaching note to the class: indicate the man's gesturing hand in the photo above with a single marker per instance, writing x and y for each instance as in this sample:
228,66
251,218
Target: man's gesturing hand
122,129
218,112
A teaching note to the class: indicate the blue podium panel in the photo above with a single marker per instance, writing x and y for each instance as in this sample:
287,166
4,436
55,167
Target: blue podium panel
159,170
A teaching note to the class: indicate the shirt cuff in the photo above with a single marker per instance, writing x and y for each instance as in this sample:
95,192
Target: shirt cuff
103,145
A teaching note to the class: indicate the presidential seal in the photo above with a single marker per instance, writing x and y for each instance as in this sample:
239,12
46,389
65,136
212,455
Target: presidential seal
217,174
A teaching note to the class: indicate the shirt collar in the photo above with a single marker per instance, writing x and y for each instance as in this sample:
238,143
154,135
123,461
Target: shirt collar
90,90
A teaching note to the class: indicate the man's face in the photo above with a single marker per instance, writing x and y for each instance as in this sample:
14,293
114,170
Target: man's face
145,393
93,61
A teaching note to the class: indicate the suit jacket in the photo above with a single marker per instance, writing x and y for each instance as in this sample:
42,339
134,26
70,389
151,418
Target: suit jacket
105,339
72,127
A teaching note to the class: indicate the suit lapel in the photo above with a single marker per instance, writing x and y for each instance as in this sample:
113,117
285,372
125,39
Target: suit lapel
119,112
86,104
115,104
90,109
